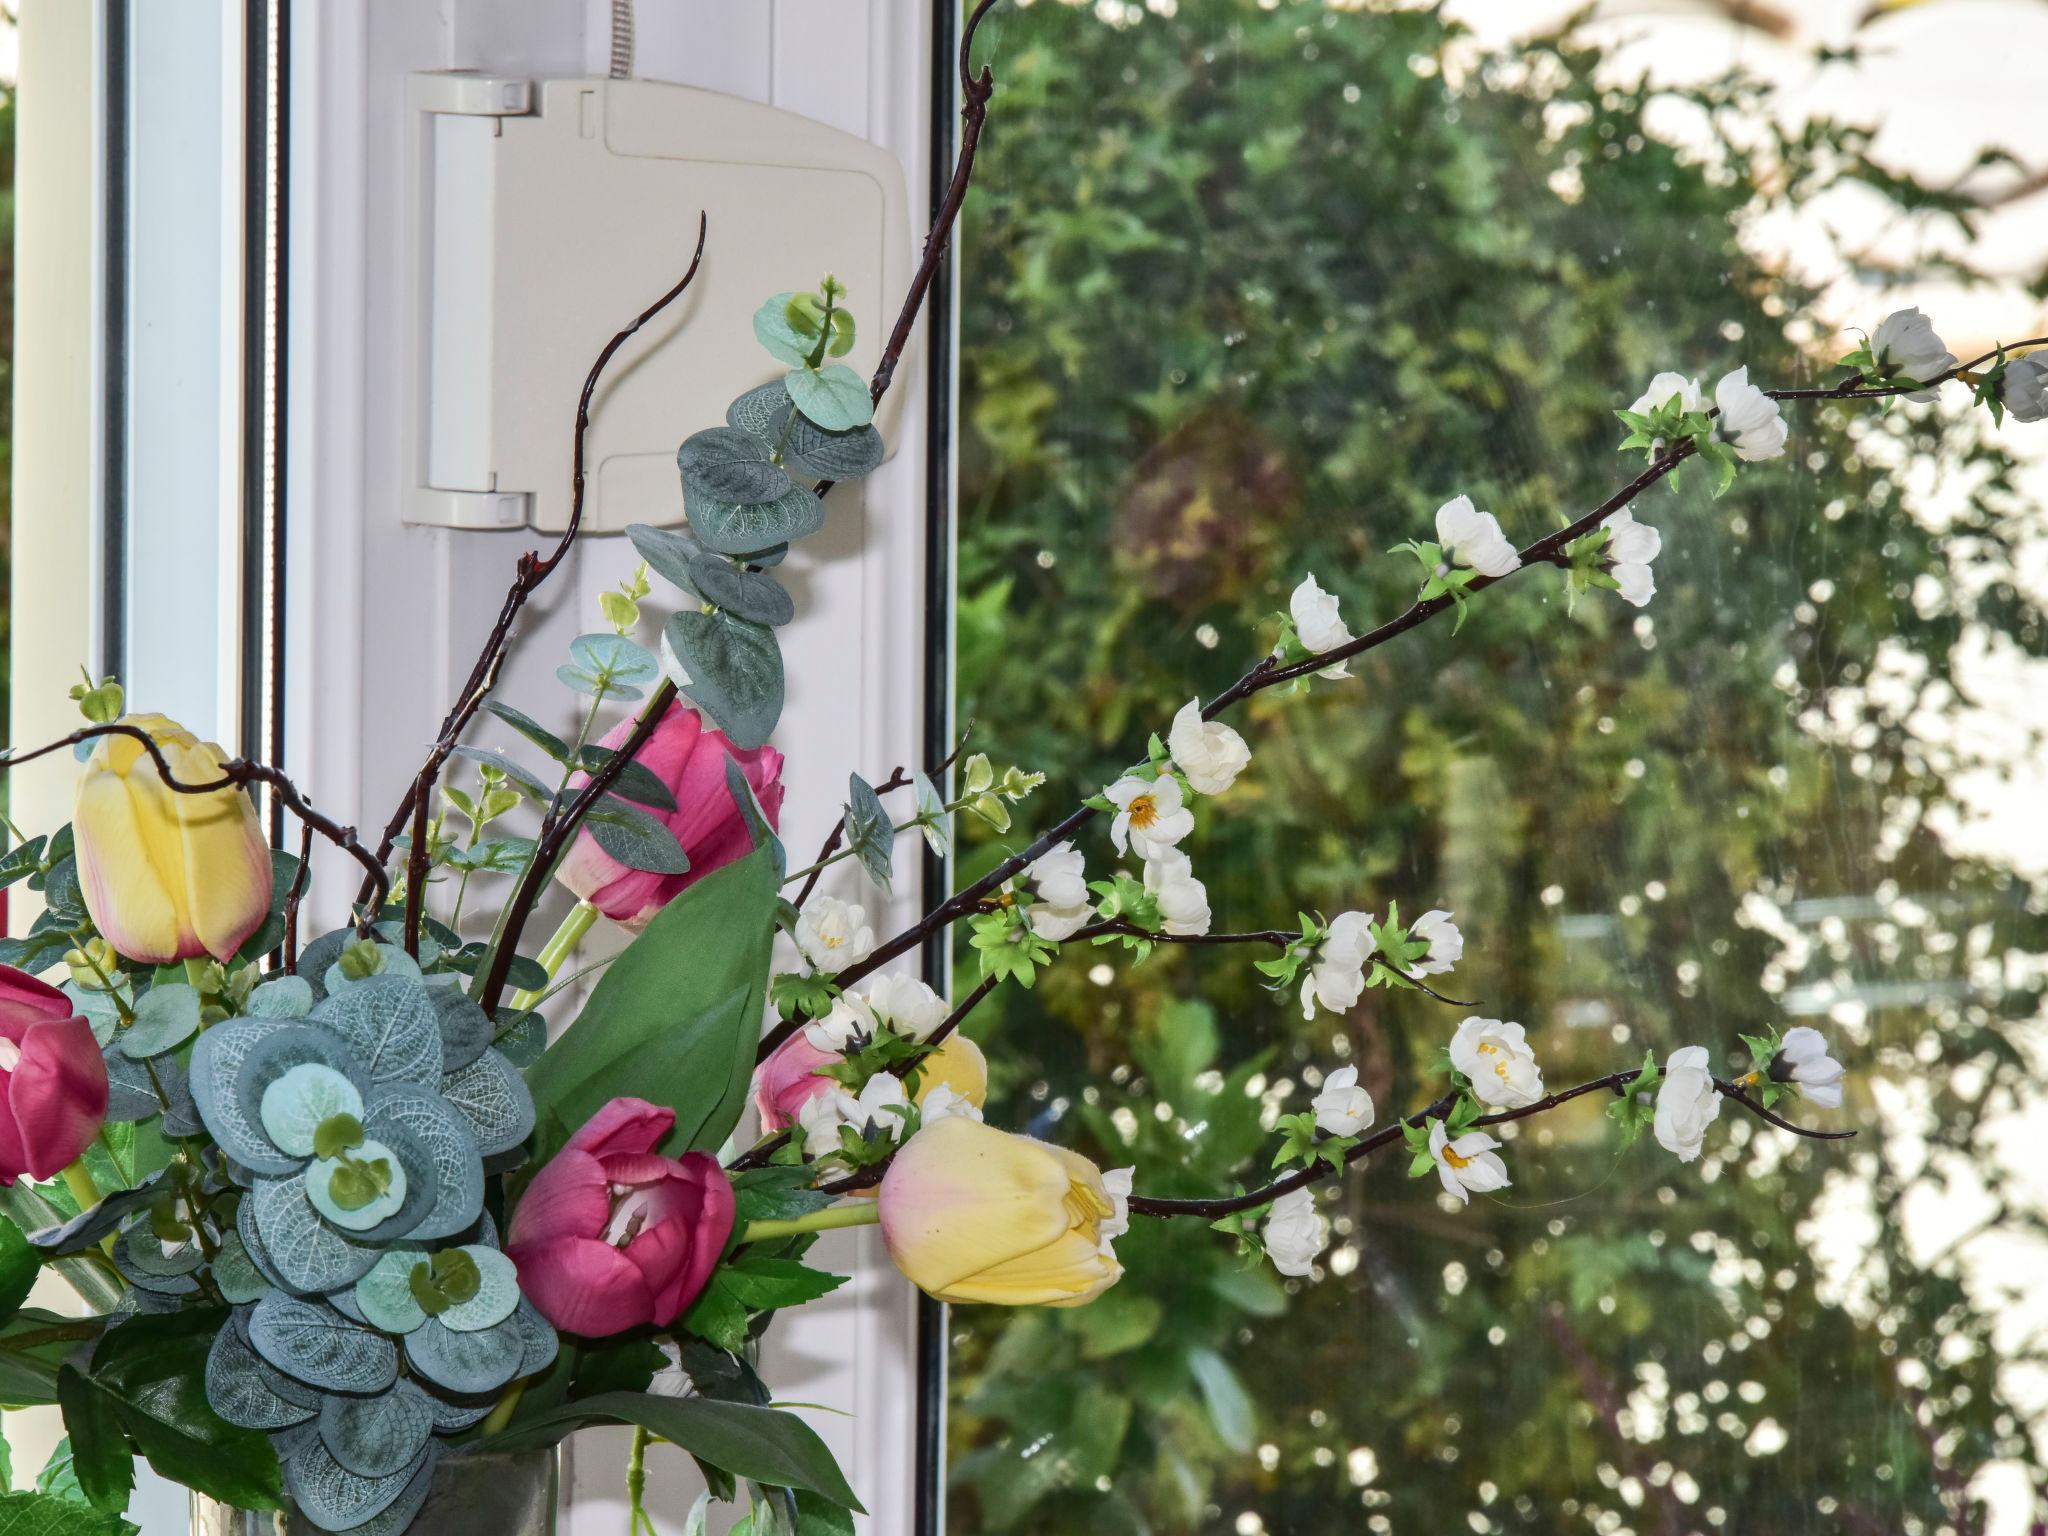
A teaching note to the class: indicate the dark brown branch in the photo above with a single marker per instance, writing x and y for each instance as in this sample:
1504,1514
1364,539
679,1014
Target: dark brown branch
1279,938
896,780
292,899
534,568
235,773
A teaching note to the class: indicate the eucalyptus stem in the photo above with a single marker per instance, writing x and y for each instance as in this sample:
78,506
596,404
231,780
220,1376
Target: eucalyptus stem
859,1213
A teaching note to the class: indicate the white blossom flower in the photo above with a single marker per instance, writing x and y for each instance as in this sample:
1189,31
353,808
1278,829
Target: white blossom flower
1336,976
909,1007
1473,538
873,1109
1803,1059
943,1101
1687,1102
849,1025
1469,1165
1316,624
1749,418
832,934
1209,752
1446,944
1497,1059
1630,549
2026,387
1059,879
1905,340
1295,1232
1150,818
1666,387
1342,1108
1116,1183
1183,900
819,1118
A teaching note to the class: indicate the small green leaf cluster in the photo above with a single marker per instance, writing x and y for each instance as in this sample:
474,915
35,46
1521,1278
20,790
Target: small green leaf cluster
1636,1109
1763,1050
1285,968
990,797
1989,387
1243,1227
1657,430
1440,578
1301,1142
1396,953
1008,947
1457,1122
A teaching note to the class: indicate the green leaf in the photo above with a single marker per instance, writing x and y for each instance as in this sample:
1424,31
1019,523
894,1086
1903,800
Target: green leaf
833,397
59,1478
531,729
636,838
761,1445
675,1018
42,1514
732,670
165,1018
99,1450
728,464
761,1283
740,528
518,773
608,664
18,1267
719,1317
1230,1406
773,330
636,781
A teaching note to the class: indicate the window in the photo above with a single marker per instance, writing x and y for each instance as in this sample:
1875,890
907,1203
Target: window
1247,291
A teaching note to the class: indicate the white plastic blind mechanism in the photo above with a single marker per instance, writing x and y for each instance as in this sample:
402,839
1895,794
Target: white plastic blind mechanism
545,212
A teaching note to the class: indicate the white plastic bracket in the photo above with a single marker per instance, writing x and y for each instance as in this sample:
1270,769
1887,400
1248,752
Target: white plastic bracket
544,215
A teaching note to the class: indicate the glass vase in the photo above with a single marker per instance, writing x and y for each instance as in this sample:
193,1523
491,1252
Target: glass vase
483,1495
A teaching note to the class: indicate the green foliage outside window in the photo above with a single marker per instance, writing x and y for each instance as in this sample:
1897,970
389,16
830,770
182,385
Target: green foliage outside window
1247,293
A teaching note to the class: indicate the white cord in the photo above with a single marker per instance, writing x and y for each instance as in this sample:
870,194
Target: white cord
622,39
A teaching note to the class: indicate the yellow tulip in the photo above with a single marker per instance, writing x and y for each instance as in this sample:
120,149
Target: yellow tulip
975,1214
168,876
959,1064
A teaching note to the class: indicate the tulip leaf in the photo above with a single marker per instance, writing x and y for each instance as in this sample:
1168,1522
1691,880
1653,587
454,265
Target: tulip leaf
732,670
636,838
759,829
761,1445
675,1018
834,397
50,1514
18,1268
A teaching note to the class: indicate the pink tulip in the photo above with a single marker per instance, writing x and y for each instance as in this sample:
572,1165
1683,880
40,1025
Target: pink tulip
611,1235
690,760
53,1080
789,1079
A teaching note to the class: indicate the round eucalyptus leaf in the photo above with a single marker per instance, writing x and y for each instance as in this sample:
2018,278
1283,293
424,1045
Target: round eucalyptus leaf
453,1414
493,1097
397,1516
274,1055
283,997
762,411
140,1252
730,465
376,1436
131,1090
435,1136
302,1099
735,528
258,1255
475,1362
288,1442
466,1029
765,559
824,455
772,329
392,961
243,1388
391,1025
497,1295
385,1293
235,1274
537,1336
220,1061
165,1018
97,1008
336,1499
731,669
523,1037
751,595
316,955
307,1253
327,1178
320,1347
834,397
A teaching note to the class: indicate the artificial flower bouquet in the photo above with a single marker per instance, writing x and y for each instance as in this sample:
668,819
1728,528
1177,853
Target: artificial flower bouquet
344,1208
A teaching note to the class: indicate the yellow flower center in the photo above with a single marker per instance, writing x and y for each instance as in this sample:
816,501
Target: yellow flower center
1086,1210
1143,812
1451,1153
1500,1068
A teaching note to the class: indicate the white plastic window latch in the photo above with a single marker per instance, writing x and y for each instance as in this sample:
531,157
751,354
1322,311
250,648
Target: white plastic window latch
545,215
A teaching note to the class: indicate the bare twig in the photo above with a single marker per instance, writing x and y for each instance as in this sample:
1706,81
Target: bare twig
534,568
1279,938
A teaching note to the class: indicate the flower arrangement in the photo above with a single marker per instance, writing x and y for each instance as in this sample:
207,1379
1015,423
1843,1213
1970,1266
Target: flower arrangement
341,1209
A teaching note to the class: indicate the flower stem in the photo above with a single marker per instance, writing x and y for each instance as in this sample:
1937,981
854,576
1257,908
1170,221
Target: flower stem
857,1213
559,948
501,1412
78,1179
636,1481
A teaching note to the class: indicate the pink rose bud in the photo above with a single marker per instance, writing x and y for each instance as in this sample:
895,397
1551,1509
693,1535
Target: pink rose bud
53,1080
611,1235
790,1078
712,828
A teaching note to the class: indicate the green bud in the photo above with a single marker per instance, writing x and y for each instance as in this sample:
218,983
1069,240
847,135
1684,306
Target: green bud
977,774
357,1182
456,1275
991,809
101,702
421,1283
336,1135
361,959
1017,783
620,611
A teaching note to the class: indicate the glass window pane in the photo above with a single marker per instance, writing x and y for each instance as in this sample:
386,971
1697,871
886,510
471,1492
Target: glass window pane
1248,291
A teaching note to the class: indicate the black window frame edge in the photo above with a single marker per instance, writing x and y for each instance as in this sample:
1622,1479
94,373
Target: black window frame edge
929,1503
113,448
